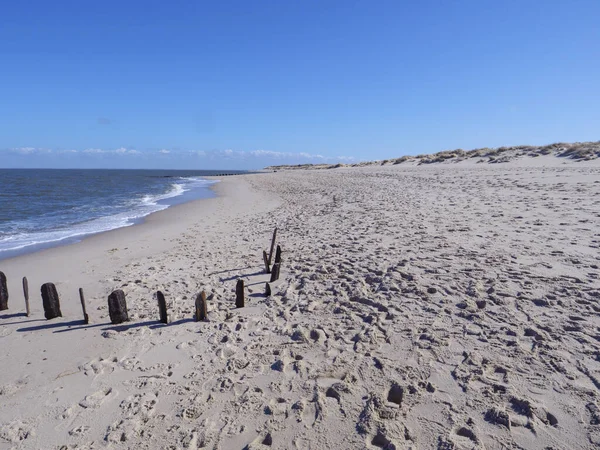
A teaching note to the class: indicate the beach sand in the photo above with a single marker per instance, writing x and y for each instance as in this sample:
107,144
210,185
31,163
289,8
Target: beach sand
451,306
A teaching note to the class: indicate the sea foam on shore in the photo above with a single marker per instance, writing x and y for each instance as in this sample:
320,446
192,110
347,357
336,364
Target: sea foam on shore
43,208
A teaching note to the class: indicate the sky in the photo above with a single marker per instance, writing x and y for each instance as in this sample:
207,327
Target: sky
245,84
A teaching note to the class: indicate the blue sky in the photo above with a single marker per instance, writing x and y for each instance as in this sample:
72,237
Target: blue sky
243,84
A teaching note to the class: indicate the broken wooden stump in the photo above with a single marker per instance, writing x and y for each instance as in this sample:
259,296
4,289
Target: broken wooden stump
276,265
272,246
239,294
86,318
266,260
162,307
3,292
26,295
267,289
117,307
278,255
201,307
51,301
275,273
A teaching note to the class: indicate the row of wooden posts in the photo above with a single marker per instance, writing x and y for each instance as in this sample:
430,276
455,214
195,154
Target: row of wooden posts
117,305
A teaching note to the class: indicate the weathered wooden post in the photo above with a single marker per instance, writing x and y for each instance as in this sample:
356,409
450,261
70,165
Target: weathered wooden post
239,294
162,307
3,292
117,307
267,289
276,265
274,273
86,318
51,301
272,246
266,260
201,307
26,294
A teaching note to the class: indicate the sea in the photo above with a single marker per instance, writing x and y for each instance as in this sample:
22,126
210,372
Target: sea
41,208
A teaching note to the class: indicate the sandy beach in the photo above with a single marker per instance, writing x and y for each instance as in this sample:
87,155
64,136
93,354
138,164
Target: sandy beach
447,306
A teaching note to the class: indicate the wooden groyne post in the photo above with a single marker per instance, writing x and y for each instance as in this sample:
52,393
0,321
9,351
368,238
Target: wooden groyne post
272,246
117,307
278,255
50,301
239,294
86,318
275,273
3,292
162,307
276,265
201,307
26,295
266,260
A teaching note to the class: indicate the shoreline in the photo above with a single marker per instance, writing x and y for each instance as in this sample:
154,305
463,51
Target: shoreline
121,246
205,192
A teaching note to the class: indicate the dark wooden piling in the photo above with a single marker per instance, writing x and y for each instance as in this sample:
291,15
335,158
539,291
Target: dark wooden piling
272,246
239,294
201,307
3,292
267,289
86,318
276,266
117,307
162,307
275,273
51,301
26,295
266,260
278,255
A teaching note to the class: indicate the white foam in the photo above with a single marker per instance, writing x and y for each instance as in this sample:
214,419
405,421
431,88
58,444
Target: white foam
176,190
140,208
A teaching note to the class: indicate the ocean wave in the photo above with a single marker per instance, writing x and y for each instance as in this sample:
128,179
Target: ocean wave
176,190
135,210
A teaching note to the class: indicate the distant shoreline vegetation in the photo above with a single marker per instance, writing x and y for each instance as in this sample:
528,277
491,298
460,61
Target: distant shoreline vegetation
578,151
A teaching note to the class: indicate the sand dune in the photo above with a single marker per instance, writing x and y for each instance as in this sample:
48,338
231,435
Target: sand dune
523,154
448,307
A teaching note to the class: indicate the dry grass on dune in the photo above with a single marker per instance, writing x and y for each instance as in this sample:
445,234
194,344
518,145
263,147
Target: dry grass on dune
579,151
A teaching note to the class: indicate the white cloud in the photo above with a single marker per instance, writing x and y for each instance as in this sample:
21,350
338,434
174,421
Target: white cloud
124,151
24,150
295,156
283,157
191,153
309,156
118,151
268,154
30,150
93,151
227,153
